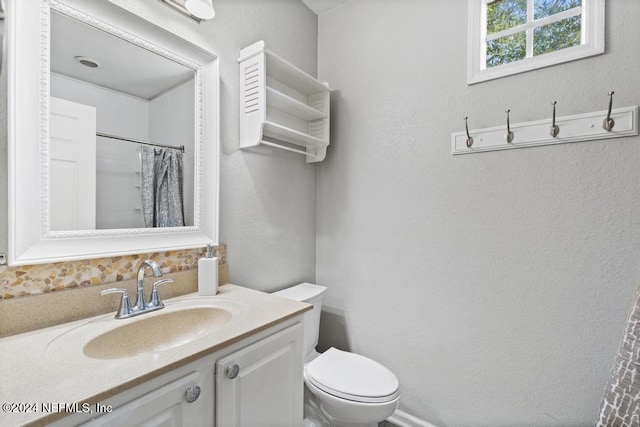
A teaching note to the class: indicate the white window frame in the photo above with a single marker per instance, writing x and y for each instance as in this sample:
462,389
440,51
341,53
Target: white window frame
592,40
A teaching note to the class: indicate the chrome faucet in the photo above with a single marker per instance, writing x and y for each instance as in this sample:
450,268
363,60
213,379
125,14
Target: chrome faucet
126,310
141,305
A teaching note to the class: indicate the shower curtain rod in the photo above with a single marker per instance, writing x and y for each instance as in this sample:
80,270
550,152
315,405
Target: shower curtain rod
139,141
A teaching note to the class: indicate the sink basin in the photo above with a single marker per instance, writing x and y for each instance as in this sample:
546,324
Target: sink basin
157,333
184,320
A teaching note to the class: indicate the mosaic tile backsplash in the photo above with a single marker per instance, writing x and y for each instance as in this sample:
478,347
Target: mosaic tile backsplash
28,280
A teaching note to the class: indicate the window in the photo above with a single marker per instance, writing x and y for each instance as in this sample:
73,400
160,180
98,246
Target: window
511,36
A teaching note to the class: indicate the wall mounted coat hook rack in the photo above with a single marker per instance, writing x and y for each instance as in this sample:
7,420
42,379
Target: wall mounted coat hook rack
576,128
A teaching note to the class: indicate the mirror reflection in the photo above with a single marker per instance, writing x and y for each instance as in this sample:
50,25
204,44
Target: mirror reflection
122,132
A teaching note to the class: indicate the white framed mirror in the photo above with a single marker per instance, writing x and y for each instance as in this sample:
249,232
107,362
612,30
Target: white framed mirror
113,134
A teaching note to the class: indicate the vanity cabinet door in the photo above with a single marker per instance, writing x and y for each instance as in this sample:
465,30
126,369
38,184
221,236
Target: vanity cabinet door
168,406
261,385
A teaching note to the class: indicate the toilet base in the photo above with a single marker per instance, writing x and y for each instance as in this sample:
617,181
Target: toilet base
314,416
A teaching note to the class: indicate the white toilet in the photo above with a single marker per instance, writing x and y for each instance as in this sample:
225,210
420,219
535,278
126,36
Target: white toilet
342,388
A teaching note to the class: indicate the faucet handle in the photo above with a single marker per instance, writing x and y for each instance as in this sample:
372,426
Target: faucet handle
161,282
155,300
125,304
123,291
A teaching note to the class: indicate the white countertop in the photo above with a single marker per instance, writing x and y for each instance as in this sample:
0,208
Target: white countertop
48,365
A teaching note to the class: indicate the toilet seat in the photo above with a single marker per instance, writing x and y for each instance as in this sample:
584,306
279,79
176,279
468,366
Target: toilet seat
352,376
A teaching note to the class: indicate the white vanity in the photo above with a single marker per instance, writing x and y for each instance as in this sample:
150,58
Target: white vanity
239,365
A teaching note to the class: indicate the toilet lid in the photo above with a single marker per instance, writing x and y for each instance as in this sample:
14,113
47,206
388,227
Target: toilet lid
352,376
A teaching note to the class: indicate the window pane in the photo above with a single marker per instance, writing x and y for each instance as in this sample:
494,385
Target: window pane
504,14
506,49
542,8
559,35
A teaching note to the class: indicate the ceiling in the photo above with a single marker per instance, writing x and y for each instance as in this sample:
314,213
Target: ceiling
124,67
322,6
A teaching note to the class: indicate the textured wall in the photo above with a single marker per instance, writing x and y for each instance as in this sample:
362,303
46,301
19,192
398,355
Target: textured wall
496,285
267,197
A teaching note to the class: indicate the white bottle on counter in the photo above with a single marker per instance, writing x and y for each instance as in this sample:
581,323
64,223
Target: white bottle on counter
208,274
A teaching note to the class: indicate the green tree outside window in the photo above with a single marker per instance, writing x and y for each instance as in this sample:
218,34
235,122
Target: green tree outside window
509,14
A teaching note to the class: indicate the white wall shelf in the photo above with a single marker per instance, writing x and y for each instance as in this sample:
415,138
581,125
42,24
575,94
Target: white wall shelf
282,106
577,128
292,136
284,102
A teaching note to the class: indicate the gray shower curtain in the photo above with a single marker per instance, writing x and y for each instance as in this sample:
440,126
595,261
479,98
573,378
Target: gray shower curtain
620,406
162,195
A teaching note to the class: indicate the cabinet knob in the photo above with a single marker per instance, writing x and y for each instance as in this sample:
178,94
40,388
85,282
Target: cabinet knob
192,394
233,371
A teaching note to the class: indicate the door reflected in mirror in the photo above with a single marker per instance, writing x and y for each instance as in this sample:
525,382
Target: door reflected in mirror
122,132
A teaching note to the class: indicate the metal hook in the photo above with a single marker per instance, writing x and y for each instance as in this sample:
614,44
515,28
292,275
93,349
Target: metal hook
469,138
509,134
608,123
555,129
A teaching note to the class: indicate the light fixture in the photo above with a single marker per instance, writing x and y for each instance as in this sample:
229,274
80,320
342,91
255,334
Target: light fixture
87,62
202,9
199,10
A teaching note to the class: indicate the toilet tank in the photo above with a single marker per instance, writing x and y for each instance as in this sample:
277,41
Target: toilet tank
311,294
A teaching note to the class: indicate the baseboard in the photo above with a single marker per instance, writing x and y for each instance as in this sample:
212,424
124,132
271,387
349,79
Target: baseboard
404,419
